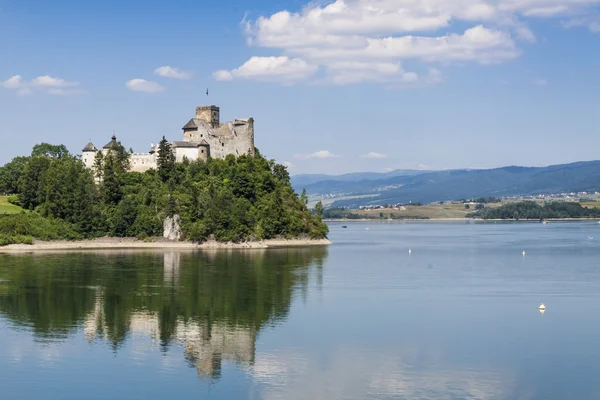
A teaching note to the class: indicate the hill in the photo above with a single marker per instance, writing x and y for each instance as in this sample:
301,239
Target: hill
302,180
458,184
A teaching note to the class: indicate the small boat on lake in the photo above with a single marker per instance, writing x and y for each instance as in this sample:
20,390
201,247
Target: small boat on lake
344,226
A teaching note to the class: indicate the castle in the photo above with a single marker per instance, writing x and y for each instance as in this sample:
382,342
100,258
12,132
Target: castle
203,136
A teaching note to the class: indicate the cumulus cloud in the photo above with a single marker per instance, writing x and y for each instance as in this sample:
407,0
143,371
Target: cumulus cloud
44,83
317,154
353,41
592,23
142,85
282,69
171,72
374,155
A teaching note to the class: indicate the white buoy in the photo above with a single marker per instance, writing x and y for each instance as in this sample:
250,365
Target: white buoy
524,253
409,251
542,307
542,312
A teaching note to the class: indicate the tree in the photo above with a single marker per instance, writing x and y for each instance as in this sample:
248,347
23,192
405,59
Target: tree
304,197
30,195
121,158
467,207
479,206
166,160
98,167
50,150
111,189
319,209
10,174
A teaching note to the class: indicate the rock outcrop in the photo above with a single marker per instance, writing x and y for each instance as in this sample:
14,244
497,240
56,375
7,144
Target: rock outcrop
172,228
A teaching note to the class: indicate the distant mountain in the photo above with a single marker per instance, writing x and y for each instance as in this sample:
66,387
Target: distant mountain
458,184
302,180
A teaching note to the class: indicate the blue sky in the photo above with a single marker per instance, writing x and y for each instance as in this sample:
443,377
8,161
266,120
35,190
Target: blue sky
334,87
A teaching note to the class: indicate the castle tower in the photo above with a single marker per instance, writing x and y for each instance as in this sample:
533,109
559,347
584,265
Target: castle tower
88,154
209,114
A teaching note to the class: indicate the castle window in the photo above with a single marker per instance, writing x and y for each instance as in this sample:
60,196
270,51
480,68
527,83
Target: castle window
202,151
223,144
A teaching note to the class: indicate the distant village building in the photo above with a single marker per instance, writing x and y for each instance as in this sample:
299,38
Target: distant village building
203,136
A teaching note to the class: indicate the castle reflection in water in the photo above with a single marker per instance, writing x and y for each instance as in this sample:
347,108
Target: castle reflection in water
210,305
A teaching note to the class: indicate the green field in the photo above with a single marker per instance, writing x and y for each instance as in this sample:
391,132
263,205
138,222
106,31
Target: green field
7,208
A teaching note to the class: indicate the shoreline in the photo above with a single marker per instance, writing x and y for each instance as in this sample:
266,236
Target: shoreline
456,219
134,244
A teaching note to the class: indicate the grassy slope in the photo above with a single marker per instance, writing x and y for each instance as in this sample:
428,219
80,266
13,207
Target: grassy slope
430,211
7,208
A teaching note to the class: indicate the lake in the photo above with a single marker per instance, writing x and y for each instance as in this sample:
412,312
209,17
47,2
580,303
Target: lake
456,318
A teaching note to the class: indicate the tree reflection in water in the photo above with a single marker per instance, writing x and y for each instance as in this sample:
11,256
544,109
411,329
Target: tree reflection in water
212,304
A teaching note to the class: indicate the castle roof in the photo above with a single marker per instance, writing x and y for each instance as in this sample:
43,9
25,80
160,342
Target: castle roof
89,147
197,123
204,143
185,144
112,144
191,124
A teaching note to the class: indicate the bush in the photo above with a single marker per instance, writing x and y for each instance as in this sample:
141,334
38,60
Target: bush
14,199
24,227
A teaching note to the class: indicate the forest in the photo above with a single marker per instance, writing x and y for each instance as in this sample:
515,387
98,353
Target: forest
533,210
235,199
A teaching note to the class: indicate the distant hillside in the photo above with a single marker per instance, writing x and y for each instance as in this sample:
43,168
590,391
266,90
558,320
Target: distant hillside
457,184
301,181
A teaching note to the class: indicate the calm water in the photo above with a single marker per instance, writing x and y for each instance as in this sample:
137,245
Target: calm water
456,319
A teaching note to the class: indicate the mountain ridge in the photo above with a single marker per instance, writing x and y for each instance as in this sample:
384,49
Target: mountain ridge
429,186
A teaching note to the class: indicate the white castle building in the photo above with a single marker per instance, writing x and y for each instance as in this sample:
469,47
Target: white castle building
203,136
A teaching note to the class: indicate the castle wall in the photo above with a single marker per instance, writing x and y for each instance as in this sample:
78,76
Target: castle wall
236,137
191,153
141,162
88,158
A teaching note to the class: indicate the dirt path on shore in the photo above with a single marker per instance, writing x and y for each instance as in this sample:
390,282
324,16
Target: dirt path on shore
131,243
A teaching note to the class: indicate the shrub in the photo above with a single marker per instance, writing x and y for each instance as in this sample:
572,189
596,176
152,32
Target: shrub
14,199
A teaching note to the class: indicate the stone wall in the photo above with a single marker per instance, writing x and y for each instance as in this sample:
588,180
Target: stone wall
88,158
141,162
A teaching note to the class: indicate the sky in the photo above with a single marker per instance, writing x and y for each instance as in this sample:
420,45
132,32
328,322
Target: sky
334,86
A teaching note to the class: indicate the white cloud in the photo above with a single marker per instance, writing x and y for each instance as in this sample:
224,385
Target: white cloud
374,155
172,72
13,82
48,81
289,164
223,75
44,83
66,92
540,82
352,41
592,23
282,69
142,85
318,154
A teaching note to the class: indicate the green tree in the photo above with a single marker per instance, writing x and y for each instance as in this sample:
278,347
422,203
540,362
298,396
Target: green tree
166,160
319,209
122,158
10,174
304,197
50,150
98,166
30,195
111,189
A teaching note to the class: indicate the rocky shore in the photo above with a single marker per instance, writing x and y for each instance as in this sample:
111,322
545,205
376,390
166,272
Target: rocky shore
132,243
